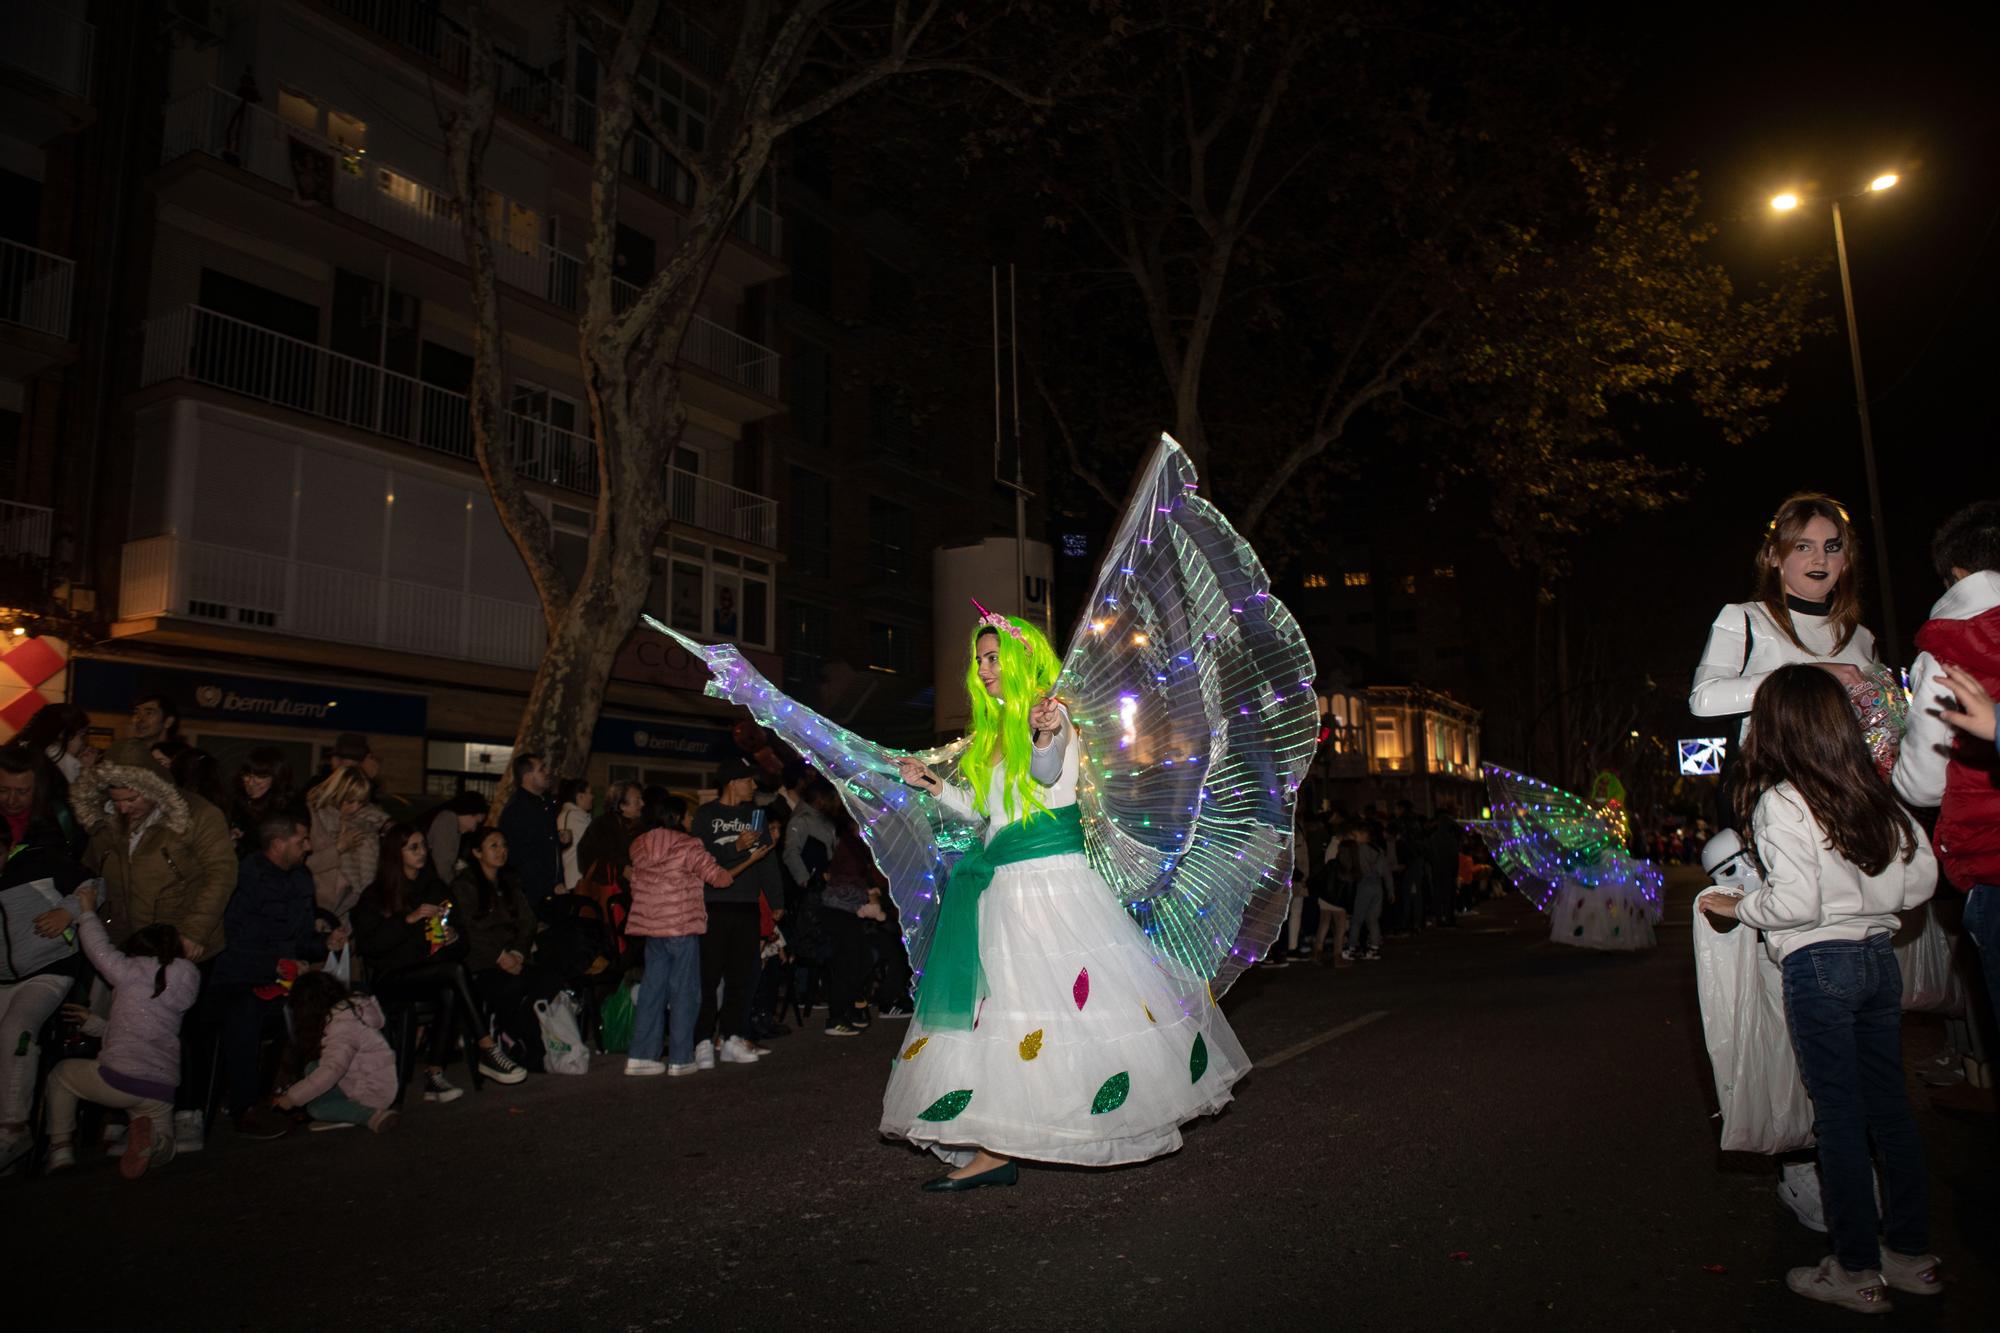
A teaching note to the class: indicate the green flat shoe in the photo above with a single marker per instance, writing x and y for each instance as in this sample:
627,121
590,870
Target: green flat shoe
1004,1174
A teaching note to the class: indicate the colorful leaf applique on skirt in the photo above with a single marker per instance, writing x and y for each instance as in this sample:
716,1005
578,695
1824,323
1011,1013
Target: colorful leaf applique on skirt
1198,1060
1031,1045
948,1106
1081,990
1111,1096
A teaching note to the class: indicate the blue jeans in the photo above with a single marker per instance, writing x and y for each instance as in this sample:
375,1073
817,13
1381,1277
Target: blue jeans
668,999
1843,1003
1366,930
1982,926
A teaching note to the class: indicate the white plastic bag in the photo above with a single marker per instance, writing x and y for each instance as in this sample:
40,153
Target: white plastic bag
1764,1104
340,963
1924,952
563,1051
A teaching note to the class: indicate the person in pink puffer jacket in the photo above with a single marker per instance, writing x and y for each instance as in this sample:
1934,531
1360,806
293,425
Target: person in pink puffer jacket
349,1071
669,868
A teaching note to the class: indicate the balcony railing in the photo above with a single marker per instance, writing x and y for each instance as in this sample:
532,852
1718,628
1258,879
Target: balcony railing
47,44
221,125
35,288
200,345
169,576
27,532
534,95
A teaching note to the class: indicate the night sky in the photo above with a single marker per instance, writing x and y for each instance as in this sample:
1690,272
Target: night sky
1820,99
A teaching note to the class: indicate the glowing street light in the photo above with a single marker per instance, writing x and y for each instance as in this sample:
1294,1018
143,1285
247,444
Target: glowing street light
1786,203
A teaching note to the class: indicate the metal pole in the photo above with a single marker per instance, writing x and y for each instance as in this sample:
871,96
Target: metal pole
1891,639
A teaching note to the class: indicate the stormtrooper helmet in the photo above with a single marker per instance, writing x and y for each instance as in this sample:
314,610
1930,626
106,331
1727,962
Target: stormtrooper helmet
1729,864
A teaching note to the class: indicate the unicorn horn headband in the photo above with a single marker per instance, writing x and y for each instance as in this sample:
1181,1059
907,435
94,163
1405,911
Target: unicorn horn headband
998,621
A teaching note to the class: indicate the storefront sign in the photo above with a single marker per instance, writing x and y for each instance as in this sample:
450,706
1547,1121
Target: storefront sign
111,687
650,658
700,745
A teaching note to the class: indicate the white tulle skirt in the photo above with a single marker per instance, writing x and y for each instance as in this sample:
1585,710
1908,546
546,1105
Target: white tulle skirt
1613,917
1084,1051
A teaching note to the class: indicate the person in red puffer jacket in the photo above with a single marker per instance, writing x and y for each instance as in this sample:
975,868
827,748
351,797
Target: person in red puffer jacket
1961,774
670,868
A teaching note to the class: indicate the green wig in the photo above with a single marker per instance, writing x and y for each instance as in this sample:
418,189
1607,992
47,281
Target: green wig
1028,671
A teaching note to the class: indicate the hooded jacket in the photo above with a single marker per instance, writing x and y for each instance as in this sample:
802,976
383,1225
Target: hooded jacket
352,1056
1937,766
182,869
669,868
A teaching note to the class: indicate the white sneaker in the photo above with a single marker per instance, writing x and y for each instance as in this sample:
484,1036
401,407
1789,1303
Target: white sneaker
736,1051
1916,1274
114,1138
643,1068
681,1071
61,1157
704,1054
1798,1190
1864,1292
190,1131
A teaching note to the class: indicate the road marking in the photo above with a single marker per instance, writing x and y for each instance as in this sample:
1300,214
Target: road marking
1291,1052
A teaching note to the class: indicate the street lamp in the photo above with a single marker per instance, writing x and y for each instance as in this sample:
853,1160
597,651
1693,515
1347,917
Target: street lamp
1786,203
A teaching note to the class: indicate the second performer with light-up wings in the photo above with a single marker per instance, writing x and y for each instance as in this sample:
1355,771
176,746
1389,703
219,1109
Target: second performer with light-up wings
1084,874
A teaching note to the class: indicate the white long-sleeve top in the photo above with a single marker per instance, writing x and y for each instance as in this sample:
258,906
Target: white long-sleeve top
1926,749
1811,893
1725,683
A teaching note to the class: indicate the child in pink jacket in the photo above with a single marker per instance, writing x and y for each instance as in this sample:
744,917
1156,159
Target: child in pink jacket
350,1072
669,868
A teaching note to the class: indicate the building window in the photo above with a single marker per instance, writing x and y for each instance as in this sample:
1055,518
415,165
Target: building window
811,384
892,648
812,523
889,419
1445,572
808,630
1410,583
1355,578
1315,580
811,245
891,292
888,539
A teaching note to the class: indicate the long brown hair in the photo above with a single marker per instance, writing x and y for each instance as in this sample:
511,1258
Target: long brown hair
314,997
393,893
1784,529
1803,731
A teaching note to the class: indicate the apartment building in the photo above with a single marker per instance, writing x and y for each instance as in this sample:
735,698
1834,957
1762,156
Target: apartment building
295,540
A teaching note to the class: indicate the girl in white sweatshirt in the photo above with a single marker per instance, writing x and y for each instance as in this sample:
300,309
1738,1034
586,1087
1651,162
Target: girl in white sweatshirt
1840,859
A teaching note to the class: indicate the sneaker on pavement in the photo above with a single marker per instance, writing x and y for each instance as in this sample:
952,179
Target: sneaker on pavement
263,1122
643,1068
843,1030
1347,955
1864,1292
384,1120
704,1054
896,1011
438,1088
1372,956
682,1071
499,1066
138,1154
1798,1190
736,1051
1916,1274
61,1157
190,1131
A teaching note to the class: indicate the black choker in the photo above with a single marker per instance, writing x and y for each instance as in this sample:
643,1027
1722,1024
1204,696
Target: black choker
1800,606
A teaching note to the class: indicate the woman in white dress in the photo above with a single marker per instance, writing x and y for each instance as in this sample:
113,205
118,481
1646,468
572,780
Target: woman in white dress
1045,1029
1807,611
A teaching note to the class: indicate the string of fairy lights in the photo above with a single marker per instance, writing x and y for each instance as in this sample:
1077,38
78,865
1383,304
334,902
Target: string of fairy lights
1190,686
1542,837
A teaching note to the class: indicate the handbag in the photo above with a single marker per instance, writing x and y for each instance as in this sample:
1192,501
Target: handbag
1763,1101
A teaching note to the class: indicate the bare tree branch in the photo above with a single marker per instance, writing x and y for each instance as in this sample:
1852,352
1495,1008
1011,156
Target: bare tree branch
1076,462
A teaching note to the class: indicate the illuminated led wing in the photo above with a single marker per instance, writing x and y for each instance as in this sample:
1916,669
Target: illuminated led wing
1192,692
1541,835
913,842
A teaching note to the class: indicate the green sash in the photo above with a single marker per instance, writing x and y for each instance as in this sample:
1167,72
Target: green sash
953,980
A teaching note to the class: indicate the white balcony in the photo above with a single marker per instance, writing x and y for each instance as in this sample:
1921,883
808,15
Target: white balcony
47,44
199,345
220,125
220,585
26,531
35,288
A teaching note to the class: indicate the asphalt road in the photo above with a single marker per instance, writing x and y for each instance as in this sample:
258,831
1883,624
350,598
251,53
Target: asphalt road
1482,1131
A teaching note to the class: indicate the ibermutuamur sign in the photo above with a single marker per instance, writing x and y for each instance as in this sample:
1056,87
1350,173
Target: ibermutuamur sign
111,687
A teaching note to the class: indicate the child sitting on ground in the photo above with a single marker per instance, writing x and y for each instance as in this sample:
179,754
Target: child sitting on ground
349,1072
140,1064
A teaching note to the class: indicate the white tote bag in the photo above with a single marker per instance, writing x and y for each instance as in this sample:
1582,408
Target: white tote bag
1924,952
1764,1104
